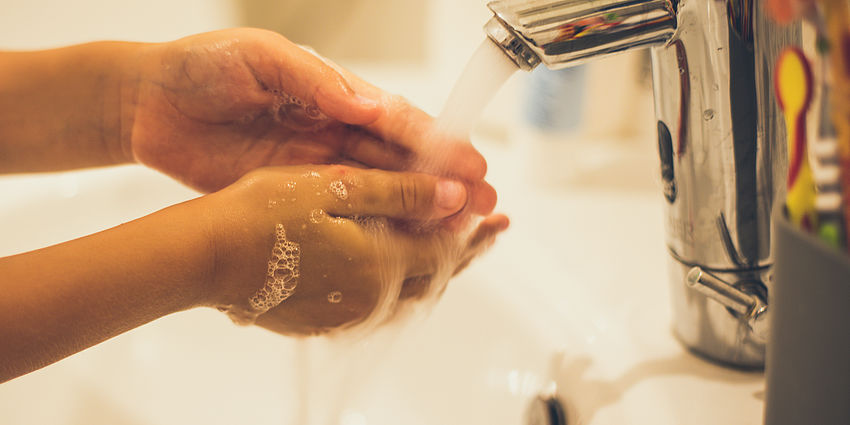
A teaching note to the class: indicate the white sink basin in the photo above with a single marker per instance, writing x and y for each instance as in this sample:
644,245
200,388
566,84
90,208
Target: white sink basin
575,292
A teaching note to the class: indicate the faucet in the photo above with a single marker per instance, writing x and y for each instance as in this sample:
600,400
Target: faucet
721,142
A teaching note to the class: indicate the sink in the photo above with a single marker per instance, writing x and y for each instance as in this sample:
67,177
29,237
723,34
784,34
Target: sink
574,295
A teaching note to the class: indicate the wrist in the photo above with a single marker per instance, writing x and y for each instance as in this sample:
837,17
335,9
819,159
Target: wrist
197,227
138,62
217,270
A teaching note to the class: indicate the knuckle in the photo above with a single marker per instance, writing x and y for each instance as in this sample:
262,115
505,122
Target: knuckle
338,170
408,194
397,101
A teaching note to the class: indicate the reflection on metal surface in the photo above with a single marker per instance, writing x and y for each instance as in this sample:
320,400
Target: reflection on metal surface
563,33
545,410
712,65
749,307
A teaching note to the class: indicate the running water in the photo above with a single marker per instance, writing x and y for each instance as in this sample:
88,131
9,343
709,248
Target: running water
330,369
487,70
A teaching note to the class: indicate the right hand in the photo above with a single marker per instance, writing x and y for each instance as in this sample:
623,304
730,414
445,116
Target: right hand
208,108
366,261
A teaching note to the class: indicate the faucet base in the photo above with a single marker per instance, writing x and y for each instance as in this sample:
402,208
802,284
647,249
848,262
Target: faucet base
710,329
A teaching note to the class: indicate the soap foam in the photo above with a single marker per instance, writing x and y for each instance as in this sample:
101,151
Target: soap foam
338,189
282,274
281,279
294,113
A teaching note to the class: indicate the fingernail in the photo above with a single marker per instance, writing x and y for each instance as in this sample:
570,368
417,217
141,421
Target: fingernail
365,101
450,195
505,224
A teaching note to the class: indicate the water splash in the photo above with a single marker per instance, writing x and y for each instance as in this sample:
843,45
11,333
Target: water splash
329,368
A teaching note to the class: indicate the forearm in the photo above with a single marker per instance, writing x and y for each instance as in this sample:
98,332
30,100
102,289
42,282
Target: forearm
62,299
65,108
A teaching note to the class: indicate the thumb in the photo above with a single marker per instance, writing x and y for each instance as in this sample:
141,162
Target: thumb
401,195
336,100
334,96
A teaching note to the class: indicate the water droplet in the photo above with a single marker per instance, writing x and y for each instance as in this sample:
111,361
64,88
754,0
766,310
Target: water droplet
708,114
334,297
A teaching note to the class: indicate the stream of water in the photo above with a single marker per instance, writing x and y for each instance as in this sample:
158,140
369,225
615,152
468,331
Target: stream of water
329,370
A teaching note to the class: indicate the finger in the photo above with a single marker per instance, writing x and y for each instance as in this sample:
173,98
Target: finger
415,287
482,197
438,152
427,252
400,195
337,100
481,201
310,78
424,253
489,227
367,149
393,119
482,239
414,130
433,154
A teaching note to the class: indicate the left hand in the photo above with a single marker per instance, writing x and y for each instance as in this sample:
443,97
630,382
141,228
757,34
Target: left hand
377,264
208,108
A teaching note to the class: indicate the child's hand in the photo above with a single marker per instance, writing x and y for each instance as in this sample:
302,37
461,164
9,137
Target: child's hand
208,108
329,268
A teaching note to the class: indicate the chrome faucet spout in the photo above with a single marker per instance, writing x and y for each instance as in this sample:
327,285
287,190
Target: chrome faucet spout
721,141
565,33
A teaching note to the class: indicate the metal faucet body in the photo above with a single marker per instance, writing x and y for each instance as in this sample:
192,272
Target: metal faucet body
721,142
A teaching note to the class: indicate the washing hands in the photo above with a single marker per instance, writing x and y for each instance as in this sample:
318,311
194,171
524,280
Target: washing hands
281,239
326,247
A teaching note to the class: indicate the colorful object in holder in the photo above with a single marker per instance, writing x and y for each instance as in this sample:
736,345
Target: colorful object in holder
826,170
794,86
836,17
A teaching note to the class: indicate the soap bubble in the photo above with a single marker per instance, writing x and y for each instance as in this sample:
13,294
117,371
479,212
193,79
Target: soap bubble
339,190
334,297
